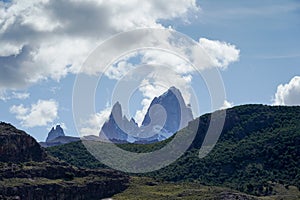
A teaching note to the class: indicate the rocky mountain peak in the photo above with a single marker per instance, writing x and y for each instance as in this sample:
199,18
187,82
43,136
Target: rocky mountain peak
169,108
178,114
113,129
54,133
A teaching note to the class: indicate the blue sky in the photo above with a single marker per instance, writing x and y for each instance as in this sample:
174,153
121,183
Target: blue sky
42,50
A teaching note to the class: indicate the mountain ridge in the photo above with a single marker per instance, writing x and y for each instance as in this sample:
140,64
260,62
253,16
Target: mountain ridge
258,147
54,133
166,114
56,136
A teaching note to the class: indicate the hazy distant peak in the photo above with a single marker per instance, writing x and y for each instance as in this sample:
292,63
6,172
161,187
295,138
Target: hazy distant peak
55,132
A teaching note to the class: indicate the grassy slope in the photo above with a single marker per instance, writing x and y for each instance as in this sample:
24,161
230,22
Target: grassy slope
258,148
146,188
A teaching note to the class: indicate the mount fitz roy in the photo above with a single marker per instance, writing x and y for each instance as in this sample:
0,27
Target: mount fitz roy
166,114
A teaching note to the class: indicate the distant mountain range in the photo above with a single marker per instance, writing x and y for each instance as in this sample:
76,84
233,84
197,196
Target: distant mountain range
54,133
56,136
166,114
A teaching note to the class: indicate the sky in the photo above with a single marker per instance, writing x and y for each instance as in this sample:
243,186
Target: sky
254,46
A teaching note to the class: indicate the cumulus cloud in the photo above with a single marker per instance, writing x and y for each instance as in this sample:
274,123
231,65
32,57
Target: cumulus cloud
288,94
13,95
93,125
158,82
176,63
227,105
170,69
165,70
43,39
221,53
38,114
118,71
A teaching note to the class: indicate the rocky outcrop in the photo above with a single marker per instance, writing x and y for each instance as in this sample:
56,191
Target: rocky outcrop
27,172
56,136
56,180
54,133
166,114
97,189
17,146
117,127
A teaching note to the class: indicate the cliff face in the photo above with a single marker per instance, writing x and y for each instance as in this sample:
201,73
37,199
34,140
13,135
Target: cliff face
17,146
55,180
166,114
116,128
54,133
56,136
177,116
27,172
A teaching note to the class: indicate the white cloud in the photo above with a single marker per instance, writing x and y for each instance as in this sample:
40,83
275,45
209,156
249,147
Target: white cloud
94,124
221,53
158,82
43,39
227,104
62,125
20,110
20,95
288,94
39,114
171,70
179,65
13,95
118,71
8,49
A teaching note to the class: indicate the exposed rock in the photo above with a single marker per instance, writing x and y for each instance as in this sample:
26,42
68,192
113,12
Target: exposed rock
26,172
54,133
177,113
17,146
59,141
117,127
166,114
56,136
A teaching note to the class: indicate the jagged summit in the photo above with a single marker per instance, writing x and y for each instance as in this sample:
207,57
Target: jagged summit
178,113
56,136
174,90
118,126
166,114
55,133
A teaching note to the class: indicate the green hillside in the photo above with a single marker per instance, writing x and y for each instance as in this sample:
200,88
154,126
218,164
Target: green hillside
258,148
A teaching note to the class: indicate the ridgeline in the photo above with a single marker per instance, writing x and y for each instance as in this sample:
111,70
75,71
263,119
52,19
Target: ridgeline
259,148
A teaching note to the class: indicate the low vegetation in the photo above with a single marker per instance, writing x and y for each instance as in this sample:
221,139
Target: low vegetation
259,148
147,188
